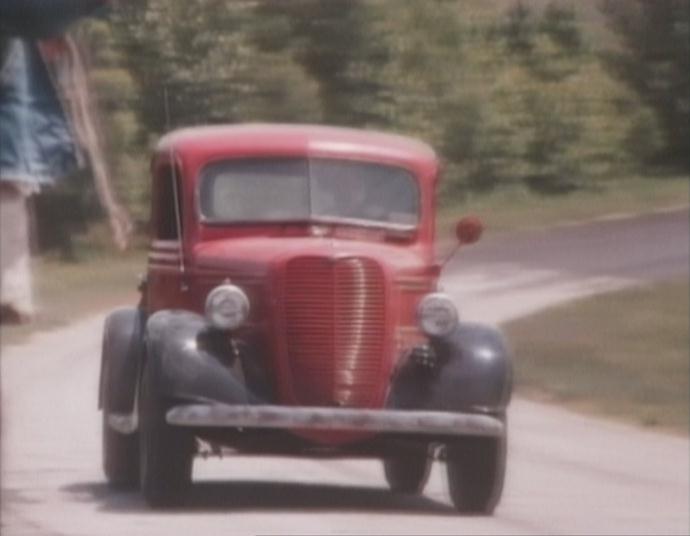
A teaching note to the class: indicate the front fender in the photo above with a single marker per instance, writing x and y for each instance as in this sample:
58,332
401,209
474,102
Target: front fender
473,373
189,364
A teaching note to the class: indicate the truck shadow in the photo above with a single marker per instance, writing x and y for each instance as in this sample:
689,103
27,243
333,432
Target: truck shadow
244,496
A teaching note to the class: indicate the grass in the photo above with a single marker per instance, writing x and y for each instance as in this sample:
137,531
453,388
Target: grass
623,355
67,291
513,208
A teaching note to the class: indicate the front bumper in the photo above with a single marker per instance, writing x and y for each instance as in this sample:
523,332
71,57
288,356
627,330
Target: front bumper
341,419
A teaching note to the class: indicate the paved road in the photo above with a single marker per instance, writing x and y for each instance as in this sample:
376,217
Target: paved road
648,247
567,474
515,274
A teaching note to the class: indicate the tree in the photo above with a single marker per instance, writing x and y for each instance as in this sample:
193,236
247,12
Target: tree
506,93
197,55
335,45
117,95
654,60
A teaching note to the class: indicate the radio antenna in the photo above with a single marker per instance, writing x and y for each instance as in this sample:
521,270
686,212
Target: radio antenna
175,184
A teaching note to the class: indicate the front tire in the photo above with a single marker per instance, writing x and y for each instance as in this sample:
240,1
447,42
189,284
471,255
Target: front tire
120,451
408,473
166,452
476,472
120,457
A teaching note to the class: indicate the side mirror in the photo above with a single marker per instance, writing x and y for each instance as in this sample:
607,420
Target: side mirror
468,230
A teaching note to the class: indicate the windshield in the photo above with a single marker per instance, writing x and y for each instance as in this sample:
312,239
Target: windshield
258,190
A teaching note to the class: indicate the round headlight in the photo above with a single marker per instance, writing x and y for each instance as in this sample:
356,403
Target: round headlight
437,314
227,307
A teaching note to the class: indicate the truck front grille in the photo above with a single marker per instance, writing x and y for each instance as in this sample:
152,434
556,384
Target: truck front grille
335,325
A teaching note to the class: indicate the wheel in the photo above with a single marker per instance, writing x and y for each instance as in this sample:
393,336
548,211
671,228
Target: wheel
408,473
166,452
120,451
120,457
476,470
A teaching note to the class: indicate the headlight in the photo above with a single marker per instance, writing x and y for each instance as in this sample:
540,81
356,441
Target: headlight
227,307
437,314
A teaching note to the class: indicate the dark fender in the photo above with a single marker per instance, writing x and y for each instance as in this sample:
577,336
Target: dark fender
473,374
120,358
190,361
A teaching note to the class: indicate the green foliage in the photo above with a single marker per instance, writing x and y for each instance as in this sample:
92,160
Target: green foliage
560,24
653,59
117,92
508,93
197,55
621,354
334,45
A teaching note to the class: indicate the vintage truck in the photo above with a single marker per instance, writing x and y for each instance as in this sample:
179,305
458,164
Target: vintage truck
291,307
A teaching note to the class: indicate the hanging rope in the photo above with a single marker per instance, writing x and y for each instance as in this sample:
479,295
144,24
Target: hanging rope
78,104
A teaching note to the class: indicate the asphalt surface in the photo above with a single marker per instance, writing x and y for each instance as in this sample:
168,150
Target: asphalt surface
515,274
649,247
567,474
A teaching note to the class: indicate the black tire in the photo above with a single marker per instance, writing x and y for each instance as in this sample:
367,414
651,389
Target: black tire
408,473
120,457
166,452
120,451
476,471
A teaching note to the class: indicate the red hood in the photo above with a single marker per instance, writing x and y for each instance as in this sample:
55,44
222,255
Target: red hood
254,256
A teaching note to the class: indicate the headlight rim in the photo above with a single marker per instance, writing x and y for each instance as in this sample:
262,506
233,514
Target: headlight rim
237,293
454,315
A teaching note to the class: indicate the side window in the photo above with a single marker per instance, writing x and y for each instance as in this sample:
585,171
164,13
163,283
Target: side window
165,226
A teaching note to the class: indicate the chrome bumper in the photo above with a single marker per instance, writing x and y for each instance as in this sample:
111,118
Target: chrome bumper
314,418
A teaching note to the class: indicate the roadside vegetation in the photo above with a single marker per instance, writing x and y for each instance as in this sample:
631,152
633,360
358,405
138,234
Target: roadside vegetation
94,280
622,355
514,208
549,104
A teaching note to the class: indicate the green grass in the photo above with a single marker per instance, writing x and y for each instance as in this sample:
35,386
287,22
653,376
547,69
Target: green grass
622,354
67,291
514,208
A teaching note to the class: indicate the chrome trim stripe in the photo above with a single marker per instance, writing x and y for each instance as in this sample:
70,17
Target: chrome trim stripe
319,418
166,245
172,257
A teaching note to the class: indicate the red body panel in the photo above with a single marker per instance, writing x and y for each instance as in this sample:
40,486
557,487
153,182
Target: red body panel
336,302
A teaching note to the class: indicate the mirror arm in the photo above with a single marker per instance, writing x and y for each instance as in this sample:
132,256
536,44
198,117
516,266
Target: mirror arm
451,255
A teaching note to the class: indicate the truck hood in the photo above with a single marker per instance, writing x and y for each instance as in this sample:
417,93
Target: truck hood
254,256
